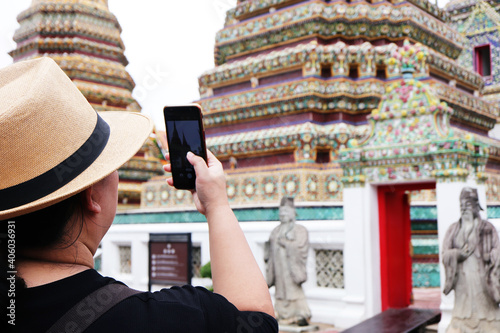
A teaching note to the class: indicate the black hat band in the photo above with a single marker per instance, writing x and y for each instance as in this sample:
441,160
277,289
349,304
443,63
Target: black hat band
55,178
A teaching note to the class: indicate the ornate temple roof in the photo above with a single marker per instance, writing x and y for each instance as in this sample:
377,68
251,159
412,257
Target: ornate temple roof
411,137
337,19
250,8
479,22
312,92
285,138
84,38
288,58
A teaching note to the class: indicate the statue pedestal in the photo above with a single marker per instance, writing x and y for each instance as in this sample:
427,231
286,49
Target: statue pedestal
298,329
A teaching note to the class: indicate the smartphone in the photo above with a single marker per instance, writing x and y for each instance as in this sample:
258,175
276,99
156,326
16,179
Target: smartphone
185,133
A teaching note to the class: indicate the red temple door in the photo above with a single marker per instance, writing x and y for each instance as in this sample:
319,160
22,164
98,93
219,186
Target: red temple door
395,240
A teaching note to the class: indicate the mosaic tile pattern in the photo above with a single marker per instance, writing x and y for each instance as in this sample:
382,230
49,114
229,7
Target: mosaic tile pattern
325,95
293,90
427,245
339,56
412,138
493,212
306,183
423,195
316,213
423,213
479,22
246,8
493,188
331,19
426,226
425,275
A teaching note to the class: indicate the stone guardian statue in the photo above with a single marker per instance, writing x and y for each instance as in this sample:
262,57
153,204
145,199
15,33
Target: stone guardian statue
286,267
471,257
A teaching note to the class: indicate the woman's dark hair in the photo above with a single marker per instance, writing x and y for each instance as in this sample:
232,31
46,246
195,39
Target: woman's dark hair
45,227
40,229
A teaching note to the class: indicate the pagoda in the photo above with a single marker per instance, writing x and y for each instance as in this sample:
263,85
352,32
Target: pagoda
83,37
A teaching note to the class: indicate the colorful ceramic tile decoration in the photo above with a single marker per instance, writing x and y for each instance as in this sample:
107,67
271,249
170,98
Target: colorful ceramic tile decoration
493,188
83,37
386,20
338,56
259,185
269,188
150,199
164,195
479,22
410,136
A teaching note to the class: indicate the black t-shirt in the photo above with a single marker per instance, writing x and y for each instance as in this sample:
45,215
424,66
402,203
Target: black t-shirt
178,309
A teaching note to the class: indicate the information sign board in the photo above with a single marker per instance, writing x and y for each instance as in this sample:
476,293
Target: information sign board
169,259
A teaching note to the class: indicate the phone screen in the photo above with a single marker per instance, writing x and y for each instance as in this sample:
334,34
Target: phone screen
184,133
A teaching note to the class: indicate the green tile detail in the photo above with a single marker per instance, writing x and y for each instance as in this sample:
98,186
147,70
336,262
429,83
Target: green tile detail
493,212
320,213
430,212
427,225
256,214
423,213
425,275
163,217
97,263
425,245
242,214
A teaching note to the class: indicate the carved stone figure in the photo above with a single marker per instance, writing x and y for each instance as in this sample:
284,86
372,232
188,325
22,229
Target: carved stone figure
286,269
471,257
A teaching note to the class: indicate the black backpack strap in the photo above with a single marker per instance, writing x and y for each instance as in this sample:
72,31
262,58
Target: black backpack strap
89,309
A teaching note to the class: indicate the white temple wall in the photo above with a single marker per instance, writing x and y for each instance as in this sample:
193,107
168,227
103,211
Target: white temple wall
327,304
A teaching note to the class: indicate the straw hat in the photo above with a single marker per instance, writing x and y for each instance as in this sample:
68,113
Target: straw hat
52,142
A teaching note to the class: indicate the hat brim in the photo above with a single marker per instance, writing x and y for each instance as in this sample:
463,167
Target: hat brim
128,132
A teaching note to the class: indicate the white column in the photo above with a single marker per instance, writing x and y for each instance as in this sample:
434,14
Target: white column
361,255
140,261
448,212
372,252
110,264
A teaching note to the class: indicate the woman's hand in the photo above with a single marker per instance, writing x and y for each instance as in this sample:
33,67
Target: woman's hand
210,182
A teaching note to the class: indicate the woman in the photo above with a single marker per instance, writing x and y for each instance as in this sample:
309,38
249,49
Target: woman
58,198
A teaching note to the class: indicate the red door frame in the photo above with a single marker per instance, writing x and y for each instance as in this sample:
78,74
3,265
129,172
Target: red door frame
395,237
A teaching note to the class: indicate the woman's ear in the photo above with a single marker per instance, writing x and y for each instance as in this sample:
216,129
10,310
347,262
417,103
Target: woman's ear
88,201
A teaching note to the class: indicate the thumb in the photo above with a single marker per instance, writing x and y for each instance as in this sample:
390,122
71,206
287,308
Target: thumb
199,164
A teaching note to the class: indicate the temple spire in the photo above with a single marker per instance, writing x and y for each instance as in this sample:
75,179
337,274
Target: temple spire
83,37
